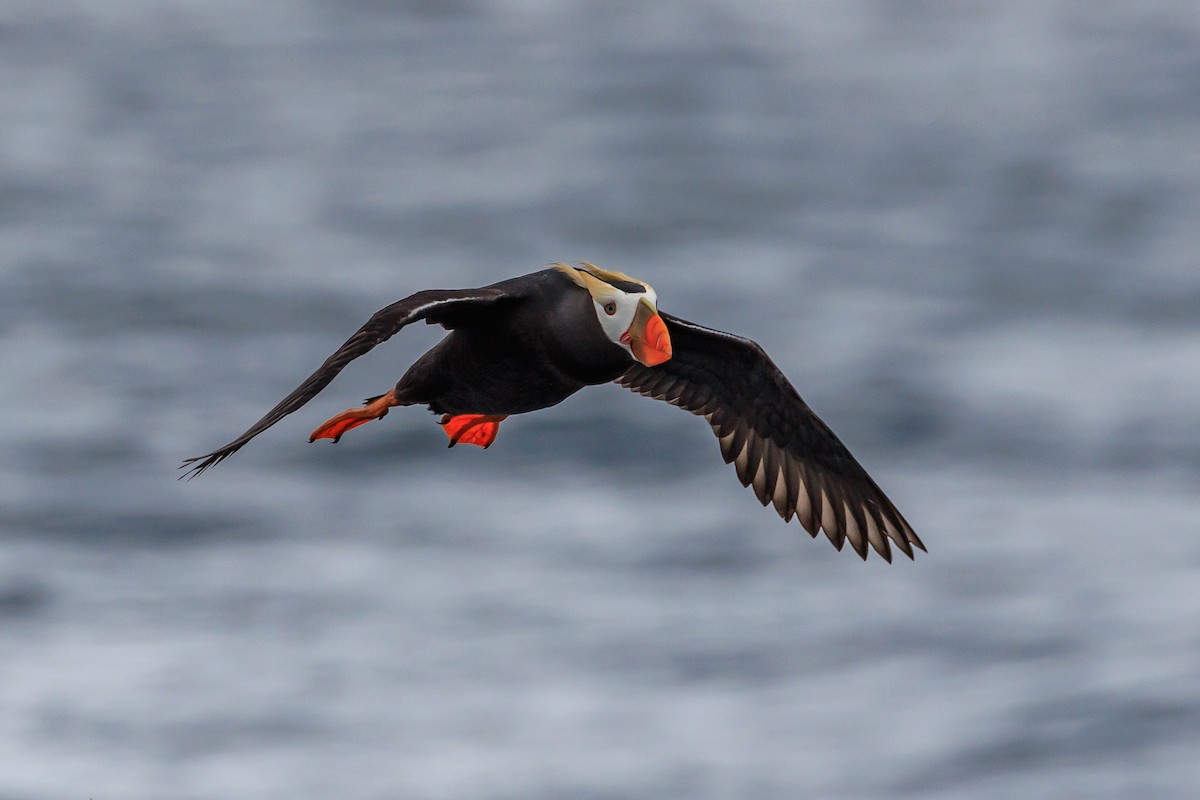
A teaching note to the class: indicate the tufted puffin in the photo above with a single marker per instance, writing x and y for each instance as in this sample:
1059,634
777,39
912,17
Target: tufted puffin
530,342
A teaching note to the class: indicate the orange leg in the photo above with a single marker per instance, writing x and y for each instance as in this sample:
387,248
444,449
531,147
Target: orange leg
375,408
477,429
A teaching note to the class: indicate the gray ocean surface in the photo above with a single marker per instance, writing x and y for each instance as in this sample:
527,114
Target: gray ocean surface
967,231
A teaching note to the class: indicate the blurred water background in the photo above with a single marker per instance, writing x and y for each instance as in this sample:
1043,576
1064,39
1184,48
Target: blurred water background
967,231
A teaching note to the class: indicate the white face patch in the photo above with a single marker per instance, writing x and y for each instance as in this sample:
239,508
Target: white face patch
616,309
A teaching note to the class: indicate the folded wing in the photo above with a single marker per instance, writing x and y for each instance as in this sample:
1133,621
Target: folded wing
774,440
449,307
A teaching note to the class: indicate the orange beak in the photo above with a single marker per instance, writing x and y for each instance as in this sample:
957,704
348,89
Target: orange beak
647,337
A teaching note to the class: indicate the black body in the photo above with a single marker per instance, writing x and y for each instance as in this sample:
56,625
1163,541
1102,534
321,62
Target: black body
534,350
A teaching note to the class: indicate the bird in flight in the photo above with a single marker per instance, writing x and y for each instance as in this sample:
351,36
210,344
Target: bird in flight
530,342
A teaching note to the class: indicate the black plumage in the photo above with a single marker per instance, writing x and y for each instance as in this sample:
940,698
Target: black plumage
530,342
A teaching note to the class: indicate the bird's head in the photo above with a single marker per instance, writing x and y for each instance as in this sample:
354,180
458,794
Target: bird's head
627,310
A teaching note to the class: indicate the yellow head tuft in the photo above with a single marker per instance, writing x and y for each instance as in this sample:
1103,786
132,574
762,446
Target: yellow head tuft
598,281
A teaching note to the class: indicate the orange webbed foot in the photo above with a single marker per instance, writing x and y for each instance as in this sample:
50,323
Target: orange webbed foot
476,429
337,425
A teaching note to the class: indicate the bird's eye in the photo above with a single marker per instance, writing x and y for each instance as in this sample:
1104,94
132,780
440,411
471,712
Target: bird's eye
610,308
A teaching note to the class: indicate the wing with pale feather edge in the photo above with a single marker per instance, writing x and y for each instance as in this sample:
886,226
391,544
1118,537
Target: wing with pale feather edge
449,307
775,441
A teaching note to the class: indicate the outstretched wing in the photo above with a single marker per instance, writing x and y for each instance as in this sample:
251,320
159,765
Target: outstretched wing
448,307
773,438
